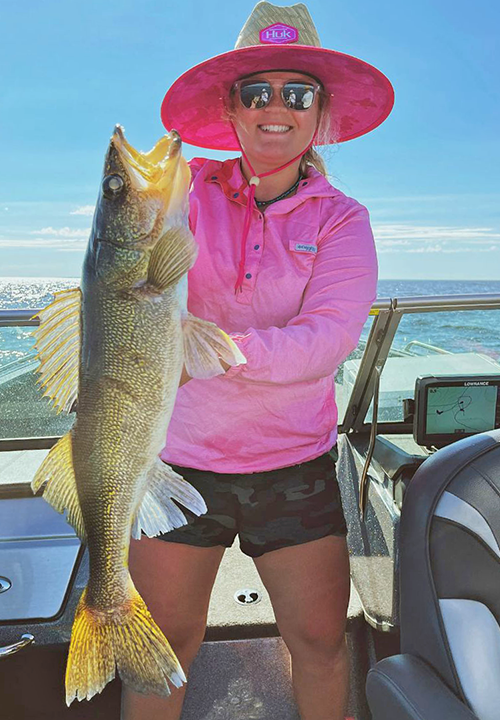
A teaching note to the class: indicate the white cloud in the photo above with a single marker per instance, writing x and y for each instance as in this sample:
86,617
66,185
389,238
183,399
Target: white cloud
431,232
84,210
52,244
392,243
426,249
400,237
445,249
453,197
62,232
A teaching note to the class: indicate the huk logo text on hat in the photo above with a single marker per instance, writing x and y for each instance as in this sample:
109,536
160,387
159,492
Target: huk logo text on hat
278,34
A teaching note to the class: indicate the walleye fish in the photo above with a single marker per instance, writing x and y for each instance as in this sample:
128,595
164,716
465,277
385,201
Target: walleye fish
117,346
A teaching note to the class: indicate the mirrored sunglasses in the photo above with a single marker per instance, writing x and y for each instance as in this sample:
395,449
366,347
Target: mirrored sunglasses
295,95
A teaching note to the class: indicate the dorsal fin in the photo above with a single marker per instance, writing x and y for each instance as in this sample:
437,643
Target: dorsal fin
58,345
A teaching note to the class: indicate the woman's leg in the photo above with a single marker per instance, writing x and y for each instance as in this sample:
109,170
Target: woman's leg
175,581
309,589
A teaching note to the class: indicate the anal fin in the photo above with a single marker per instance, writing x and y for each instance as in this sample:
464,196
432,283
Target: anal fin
158,512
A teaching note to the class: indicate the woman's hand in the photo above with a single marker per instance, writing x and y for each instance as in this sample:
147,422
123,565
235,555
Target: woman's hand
184,377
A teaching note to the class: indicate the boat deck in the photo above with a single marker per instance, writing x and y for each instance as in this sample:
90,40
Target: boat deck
243,668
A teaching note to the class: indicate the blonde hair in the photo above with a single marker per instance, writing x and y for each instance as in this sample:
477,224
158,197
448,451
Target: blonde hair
312,156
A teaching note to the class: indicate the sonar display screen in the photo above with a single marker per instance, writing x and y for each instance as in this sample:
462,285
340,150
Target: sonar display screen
458,410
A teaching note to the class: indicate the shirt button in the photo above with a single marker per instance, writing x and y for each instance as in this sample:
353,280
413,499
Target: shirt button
248,276
214,177
304,184
256,247
236,195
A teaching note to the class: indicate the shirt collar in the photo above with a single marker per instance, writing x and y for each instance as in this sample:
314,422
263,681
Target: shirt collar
227,174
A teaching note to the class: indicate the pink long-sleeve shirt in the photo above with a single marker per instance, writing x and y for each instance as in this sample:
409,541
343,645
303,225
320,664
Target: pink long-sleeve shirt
310,279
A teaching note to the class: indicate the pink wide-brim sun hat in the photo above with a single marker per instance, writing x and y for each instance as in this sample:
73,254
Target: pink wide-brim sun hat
361,97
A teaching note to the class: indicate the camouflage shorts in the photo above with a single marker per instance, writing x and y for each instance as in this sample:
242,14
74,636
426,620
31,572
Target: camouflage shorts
268,510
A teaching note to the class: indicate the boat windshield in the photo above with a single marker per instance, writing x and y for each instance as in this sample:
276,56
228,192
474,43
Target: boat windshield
411,337
447,343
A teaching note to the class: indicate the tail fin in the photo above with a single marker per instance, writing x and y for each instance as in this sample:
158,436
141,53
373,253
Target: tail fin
130,641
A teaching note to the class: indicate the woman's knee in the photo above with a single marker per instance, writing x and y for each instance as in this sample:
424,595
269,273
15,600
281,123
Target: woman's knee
185,635
318,639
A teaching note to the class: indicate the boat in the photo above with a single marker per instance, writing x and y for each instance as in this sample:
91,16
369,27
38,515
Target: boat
242,670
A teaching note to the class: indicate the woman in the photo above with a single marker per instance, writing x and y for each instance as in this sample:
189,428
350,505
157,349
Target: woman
287,266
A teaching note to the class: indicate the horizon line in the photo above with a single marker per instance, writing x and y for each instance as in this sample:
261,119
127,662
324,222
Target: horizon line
409,279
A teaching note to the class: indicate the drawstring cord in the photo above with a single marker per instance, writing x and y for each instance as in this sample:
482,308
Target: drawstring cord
253,182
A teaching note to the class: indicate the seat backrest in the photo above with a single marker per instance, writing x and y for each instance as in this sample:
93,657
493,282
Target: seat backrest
450,569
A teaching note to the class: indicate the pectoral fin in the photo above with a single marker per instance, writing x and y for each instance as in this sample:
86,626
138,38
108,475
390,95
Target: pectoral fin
56,473
58,345
204,345
158,513
171,257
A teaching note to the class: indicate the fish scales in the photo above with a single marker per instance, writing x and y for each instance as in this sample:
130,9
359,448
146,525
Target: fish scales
128,399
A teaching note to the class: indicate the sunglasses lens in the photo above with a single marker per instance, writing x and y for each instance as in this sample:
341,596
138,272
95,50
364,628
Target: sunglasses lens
298,96
256,95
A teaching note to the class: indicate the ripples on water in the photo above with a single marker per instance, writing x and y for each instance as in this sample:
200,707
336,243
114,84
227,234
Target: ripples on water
19,293
22,293
472,331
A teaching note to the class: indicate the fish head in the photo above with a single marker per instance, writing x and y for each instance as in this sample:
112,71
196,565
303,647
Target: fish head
141,195
141,192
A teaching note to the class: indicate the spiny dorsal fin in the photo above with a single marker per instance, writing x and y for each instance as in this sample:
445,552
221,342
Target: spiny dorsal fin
57,474
58,345
171,257
204,344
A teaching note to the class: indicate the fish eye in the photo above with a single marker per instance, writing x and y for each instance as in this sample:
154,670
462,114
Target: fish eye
112,185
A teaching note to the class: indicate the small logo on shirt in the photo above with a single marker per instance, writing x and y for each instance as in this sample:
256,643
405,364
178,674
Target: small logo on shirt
304,247
278,34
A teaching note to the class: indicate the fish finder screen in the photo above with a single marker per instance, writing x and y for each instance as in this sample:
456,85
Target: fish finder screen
451,407
460,410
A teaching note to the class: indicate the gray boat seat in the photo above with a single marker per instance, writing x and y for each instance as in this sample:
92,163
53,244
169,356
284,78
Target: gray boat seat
449,665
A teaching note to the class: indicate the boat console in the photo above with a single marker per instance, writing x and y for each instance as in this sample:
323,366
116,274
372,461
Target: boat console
444,409
404,401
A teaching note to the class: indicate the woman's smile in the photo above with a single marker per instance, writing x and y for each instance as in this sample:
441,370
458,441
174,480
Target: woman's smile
275,128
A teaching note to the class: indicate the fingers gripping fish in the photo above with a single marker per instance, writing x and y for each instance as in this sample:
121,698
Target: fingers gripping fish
118,346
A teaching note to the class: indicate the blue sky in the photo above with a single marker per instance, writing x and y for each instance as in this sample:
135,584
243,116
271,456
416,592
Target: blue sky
429,174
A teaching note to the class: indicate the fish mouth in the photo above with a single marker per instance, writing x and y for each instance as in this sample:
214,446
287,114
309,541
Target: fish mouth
162,167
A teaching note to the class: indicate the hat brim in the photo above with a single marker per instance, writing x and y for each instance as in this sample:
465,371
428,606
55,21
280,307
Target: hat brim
195,104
